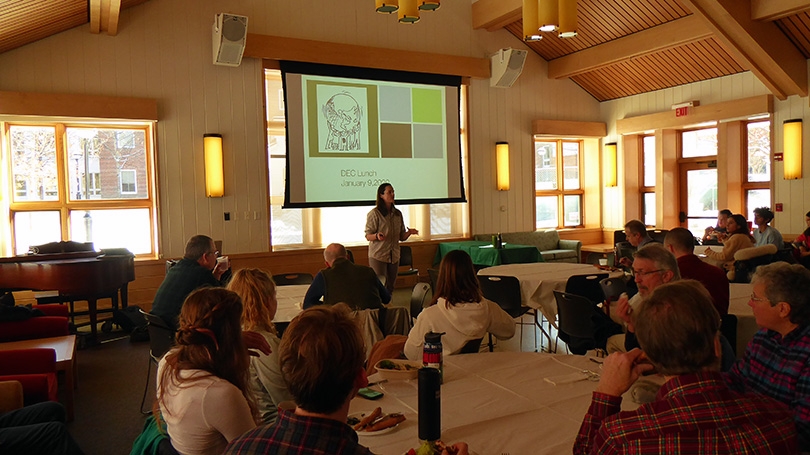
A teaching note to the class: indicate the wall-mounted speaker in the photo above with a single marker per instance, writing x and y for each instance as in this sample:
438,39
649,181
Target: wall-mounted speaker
507,64
229,34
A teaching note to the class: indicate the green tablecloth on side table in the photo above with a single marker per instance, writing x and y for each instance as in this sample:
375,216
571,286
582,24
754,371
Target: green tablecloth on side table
483,253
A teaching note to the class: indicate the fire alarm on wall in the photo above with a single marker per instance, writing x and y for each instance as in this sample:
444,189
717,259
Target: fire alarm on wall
777,207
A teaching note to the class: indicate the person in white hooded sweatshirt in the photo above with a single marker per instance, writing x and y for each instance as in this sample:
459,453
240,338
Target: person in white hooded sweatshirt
458,309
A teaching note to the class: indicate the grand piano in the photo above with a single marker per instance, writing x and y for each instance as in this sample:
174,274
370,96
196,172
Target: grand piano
82,275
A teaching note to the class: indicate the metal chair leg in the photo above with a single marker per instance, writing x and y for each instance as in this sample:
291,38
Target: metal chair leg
146,388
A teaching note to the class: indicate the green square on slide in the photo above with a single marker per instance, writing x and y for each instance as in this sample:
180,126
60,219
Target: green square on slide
427,105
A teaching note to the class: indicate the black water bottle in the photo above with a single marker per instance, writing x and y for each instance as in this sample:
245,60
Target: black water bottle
430,404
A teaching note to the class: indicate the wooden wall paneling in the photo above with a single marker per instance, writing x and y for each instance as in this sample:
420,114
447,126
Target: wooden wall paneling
630,174
666,189
730,167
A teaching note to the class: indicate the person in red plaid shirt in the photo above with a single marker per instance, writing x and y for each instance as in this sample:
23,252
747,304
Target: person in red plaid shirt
695,412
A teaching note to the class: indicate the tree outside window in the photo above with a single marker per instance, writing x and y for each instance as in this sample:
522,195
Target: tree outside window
557,182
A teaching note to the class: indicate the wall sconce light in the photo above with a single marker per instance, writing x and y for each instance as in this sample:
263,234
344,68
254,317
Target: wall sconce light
609,166
502,159
792,157
214,179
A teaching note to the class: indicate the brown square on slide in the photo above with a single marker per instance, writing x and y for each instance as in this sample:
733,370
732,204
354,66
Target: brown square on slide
395,140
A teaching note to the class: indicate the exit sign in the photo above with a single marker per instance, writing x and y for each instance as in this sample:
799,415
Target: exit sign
681,111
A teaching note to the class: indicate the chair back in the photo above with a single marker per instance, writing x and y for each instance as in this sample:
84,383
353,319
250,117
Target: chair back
350,256
434,278
503,290
420,298
161,336
171,263
406,261
612,288
288,279
574,321
471,347
587,286
728,327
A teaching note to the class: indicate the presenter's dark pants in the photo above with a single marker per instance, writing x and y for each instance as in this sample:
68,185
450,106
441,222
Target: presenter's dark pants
387,272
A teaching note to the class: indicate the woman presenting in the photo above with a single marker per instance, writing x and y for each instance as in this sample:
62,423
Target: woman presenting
384,230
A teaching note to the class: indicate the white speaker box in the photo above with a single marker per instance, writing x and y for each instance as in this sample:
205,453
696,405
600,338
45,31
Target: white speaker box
507,64
229,35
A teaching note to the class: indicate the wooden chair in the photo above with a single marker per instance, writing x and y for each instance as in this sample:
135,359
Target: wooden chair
289,279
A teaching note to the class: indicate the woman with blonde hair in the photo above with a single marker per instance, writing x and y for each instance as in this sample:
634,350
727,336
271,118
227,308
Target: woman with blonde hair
203,383
258,293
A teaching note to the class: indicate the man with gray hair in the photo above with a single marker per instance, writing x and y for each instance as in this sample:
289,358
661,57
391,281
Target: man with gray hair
344,281
776,362
653,265
694,411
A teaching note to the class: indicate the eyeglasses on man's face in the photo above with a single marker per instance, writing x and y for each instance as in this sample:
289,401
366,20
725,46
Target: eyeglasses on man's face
754,298
642,274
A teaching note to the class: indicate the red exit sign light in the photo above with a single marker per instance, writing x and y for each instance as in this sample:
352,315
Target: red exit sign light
681,111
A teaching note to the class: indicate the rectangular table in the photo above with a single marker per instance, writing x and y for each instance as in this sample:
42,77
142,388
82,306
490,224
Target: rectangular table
496,402
539,281
65,347
483,253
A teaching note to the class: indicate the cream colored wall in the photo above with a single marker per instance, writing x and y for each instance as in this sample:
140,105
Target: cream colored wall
163,51
616,211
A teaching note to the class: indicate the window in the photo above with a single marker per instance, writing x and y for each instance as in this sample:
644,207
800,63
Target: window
757,161
558,189
88,183
317,227
698,178
648,179
128,185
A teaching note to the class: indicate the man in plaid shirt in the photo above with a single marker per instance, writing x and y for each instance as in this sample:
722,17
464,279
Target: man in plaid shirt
777,361
694,412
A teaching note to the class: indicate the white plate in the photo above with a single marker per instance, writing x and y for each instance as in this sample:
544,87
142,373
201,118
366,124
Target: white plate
360,415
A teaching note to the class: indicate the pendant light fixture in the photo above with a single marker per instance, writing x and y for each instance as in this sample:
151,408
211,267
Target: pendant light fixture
530,25
548,15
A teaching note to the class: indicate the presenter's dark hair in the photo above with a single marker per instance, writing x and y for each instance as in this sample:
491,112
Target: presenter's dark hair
380,203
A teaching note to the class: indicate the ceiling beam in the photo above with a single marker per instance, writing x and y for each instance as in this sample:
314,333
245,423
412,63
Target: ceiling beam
495,14
771,10
756,45
665,36
104,16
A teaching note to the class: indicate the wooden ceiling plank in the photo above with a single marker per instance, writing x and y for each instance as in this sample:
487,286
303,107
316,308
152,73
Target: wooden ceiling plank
112,19
495,14
95,16
671,34
771,10
760,46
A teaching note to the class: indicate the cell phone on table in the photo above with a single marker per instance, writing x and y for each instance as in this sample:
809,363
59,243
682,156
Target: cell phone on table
370,394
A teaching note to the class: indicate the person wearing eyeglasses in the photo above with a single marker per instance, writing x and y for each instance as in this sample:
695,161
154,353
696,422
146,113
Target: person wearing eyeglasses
776,362
653,265
198,268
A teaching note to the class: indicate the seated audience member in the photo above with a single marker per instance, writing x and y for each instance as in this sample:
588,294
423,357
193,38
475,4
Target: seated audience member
36,429
737,238
459,310
258,293
197,269
203,382
653,266
765,234
682,244
321,355
694,412
637,235
717,234
343,281
777,361
802,243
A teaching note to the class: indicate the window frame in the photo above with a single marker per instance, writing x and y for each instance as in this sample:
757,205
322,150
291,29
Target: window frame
63,204
747,185
561,192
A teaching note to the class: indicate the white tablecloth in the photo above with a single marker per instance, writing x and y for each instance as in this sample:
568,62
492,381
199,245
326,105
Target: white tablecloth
496,402
539,280
290,299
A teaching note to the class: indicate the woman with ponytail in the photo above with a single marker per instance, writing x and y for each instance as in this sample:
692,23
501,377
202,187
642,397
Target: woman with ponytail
203,382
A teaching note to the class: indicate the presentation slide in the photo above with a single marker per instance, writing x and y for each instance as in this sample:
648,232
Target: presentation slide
348,135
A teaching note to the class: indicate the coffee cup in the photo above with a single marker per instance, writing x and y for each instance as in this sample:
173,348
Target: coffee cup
223,260
603,262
